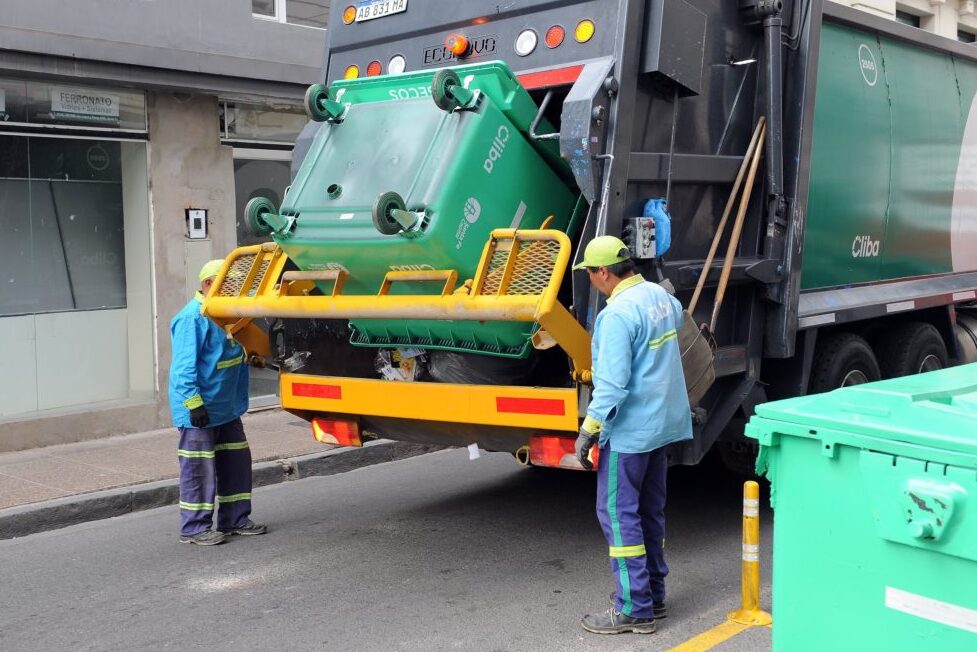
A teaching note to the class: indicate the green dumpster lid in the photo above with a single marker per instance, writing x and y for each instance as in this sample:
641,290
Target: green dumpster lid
936,409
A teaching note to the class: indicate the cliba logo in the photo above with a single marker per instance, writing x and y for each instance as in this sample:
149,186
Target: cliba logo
497,149
470,214
864,246
866,63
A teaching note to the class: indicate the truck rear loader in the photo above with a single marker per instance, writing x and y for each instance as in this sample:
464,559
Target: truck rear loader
417,284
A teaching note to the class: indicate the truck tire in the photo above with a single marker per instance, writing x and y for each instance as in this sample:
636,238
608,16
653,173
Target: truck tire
912,348
842,360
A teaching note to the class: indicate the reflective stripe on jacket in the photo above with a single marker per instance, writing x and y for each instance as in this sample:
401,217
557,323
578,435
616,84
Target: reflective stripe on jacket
207,369
639,389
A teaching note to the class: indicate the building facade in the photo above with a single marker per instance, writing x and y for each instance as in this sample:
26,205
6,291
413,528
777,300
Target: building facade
131,135
956,19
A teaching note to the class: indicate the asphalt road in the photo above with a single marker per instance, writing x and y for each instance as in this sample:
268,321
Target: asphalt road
431,553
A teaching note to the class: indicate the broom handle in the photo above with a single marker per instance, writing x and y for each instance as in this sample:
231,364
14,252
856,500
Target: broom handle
706,268
734,237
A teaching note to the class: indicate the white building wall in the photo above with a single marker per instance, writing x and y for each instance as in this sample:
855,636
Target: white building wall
943,17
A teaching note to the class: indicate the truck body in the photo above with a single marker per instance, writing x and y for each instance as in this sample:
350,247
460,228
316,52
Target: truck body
418,286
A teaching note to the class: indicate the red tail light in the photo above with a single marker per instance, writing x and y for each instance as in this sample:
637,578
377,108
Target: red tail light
557,451
336,431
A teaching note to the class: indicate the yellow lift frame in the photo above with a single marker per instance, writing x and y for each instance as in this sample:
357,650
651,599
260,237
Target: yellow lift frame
517,279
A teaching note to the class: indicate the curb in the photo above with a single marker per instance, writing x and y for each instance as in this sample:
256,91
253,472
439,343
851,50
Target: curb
54,514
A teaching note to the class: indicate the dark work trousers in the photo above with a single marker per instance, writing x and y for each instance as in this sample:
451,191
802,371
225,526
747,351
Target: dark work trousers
631,511
214,463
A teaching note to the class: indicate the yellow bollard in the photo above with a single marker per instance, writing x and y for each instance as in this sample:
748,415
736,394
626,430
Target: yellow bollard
750,613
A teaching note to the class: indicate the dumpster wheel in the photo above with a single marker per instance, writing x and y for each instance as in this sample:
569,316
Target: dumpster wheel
382,220
254,212
444,79
314,95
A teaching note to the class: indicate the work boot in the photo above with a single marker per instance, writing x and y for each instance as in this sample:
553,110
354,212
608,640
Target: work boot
613,621
658,609
204,538
250,528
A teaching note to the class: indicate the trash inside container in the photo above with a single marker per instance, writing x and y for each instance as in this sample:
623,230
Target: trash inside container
874,489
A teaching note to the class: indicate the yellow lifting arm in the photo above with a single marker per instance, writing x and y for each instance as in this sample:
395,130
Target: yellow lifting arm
518,279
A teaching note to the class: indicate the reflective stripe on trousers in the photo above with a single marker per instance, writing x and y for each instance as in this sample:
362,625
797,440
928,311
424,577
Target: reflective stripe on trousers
215,466
631,511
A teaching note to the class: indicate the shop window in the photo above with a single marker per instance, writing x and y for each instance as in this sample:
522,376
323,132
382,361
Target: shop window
261,124
311,13
76,307
61,205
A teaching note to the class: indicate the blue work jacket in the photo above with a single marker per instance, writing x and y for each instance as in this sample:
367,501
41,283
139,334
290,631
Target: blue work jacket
207,369
639,395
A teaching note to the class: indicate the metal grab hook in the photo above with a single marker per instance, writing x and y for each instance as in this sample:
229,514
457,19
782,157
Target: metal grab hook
539,118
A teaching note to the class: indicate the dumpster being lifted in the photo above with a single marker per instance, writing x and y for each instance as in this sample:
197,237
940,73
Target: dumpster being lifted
874,490
416,183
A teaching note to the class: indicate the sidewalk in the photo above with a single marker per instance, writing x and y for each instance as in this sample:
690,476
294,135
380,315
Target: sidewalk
58,486
70,469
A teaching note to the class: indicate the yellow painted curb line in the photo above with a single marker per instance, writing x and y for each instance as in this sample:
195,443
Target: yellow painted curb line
711,637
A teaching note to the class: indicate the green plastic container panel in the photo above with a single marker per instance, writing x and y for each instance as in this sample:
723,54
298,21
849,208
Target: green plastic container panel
874,489
469,171
895,131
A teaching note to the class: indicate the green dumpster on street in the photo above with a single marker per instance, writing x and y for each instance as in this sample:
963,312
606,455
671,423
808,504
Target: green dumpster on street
874,490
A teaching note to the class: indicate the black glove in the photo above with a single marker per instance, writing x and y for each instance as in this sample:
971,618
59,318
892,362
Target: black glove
199,417
585,441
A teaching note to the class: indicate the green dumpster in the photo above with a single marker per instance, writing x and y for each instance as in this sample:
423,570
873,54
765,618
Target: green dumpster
874,490
452,170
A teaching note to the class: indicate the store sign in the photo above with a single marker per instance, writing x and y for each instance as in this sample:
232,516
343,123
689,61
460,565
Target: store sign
3,104
72,104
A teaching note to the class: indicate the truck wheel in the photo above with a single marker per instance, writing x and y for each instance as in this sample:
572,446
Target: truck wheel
912,348
738,454
842,360
443,80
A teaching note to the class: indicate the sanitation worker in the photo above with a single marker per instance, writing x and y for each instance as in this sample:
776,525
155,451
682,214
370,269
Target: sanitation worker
208,395
638,406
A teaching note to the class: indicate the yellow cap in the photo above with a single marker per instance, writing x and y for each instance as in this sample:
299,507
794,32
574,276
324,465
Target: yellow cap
210,268
604,251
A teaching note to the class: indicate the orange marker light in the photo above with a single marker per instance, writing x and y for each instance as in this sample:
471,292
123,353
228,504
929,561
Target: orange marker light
555,36
374,69
456,44
585,31
352,72
349,14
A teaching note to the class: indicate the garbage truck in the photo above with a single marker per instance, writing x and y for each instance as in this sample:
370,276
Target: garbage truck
801,175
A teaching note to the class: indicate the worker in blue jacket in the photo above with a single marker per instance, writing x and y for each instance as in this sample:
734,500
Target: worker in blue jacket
638,406
208,395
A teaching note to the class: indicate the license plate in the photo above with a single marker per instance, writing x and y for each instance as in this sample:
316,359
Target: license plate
370,9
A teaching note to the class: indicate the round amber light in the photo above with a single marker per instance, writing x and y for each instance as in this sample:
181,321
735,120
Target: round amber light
374,69
349,14
456,44
352,72
585,31
555,36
